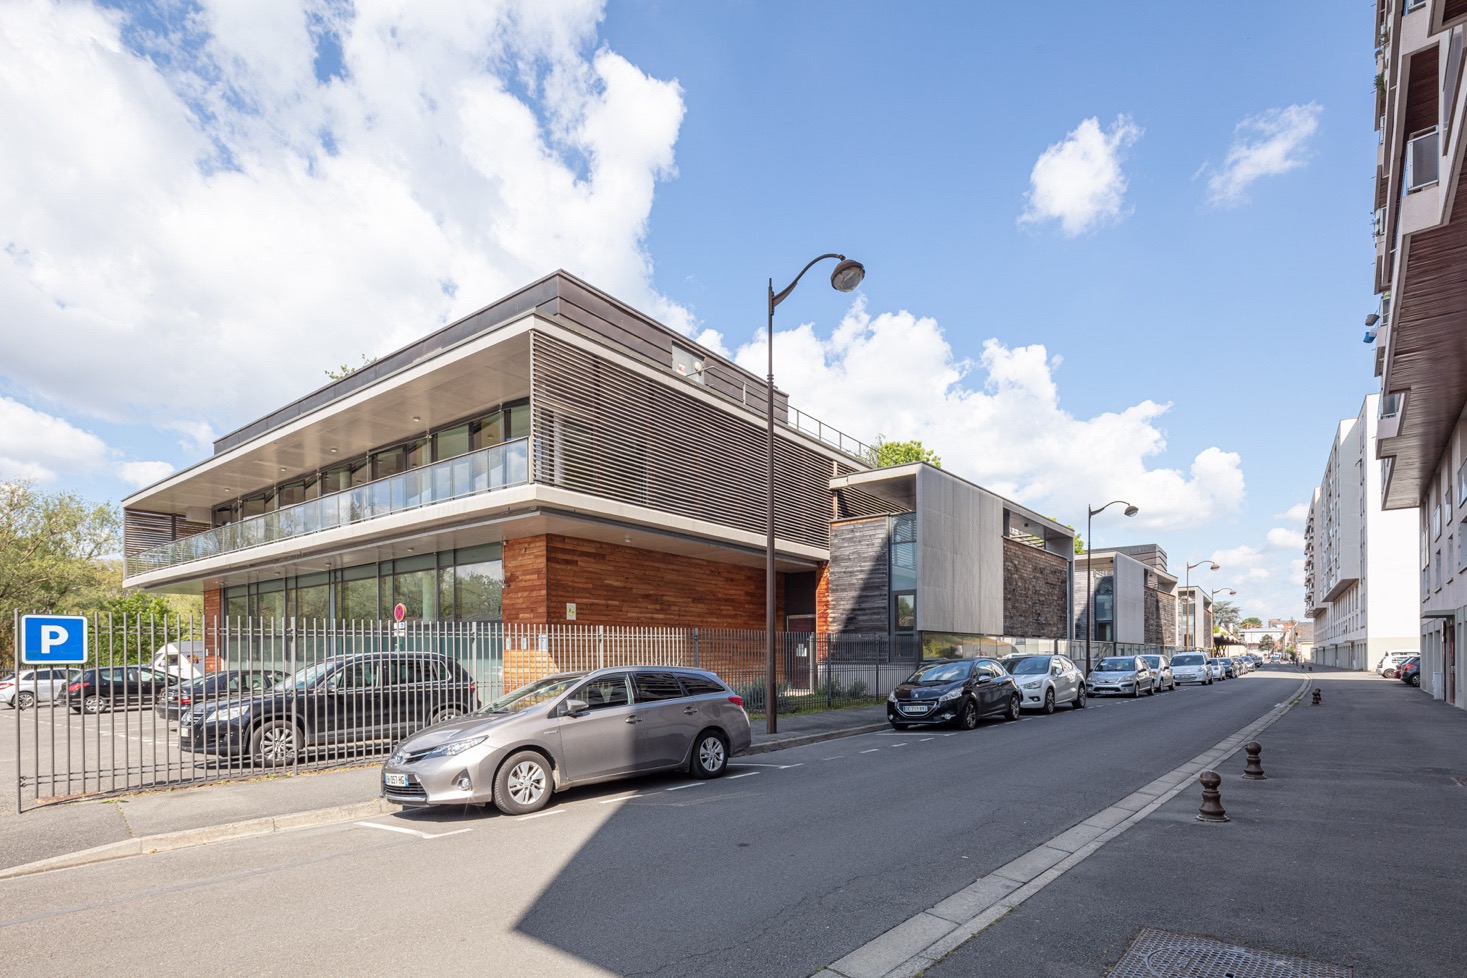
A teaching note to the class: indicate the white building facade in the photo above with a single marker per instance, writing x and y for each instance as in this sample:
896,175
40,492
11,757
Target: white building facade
1359,559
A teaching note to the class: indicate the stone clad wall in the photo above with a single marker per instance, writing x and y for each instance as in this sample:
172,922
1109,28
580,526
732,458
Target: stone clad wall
1035,591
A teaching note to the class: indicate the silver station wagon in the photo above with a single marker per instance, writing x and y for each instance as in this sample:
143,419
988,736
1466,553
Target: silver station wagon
571,729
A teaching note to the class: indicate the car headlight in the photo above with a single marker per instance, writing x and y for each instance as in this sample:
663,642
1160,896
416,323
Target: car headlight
227,712
455,748
950,695
1032,683
891,697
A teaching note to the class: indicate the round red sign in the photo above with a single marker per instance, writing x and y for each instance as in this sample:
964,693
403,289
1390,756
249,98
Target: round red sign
399,613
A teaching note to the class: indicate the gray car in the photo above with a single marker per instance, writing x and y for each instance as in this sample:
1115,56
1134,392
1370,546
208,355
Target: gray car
571,729
1161,672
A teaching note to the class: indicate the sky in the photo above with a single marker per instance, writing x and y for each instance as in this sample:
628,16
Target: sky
1113,251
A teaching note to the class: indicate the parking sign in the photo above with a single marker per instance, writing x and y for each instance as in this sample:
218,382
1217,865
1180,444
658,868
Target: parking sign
53,640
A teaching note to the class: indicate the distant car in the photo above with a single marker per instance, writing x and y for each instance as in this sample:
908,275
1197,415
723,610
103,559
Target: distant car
1191,667
213,688
1409,672
1220,667
1047,681
1391,662
571,729
961,691
116,687
1121,675
35,686
1162,670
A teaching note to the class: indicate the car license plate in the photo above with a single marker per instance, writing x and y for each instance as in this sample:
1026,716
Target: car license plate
395,780
917,708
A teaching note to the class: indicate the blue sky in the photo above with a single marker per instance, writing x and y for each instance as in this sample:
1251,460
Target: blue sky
237,211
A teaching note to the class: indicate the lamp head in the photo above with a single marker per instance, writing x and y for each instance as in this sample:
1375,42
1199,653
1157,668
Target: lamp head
1132,511
1372,319
847,275
1215,566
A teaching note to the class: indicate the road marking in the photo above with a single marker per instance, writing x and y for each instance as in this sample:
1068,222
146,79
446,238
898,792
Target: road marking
925,739
833,757
680,787
746,774
421,835
871,751
522,818
902,744
609,801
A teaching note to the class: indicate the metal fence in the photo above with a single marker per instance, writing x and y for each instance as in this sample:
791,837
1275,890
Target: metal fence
173,701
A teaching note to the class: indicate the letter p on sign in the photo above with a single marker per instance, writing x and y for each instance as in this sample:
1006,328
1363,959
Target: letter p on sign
53,640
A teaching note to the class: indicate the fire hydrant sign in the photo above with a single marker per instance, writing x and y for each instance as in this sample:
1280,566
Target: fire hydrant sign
53,640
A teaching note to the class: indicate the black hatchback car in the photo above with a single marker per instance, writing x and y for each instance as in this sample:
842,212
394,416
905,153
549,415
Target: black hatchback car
961,691
344,700
216,686
116,688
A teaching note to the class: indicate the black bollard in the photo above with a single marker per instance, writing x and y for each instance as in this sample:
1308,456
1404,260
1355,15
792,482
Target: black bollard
1253,770
1211,810
1317,698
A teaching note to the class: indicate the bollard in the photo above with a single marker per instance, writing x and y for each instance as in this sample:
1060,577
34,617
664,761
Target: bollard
1253,770
1317,698
1211,810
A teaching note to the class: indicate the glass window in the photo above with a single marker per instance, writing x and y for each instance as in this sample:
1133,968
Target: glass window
451,443
479,591
416,453
656,686
312,603
388,462
361,471
357,600
358,675
337,479
488,431
224,514
516,421
904,552
700,686
417,591
604,693
259,503
292,493
905,611
236,602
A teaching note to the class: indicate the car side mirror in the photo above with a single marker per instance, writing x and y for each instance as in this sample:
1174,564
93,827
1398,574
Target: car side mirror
984,679
332,686
576,708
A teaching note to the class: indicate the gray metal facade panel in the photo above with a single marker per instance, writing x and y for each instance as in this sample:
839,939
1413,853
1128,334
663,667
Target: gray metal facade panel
1130,603
959,556
860,576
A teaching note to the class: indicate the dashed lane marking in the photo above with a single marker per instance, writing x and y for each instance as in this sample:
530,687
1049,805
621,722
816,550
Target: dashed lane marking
746,774
423,835
871,751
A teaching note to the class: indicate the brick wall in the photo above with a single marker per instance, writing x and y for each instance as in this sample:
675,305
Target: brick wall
213,614
1035,592
618,585
822,599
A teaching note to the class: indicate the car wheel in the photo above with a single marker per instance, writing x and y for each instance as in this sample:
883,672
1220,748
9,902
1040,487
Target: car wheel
710,755
968,719
447,713
1136,692
1079,703
24,701
523,784
94,705
1151,690
1048,701
1014,705
1416,679
275,743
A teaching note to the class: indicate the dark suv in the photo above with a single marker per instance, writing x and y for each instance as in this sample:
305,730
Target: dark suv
347,699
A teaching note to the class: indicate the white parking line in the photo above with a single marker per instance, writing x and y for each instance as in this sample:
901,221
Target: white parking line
680,787
609,801
871,751
925,739
746,774
902,744
422,835
833,757
522,818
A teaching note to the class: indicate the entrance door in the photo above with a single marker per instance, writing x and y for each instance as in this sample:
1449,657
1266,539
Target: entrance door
1449,662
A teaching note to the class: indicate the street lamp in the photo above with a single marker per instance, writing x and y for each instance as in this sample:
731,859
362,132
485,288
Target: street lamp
1212,595
1191,605
847,275
1089,571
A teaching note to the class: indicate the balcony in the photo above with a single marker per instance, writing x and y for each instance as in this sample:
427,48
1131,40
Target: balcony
1423,161
1389,423
478,472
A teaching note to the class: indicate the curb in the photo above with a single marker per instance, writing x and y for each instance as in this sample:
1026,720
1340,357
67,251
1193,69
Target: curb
255,827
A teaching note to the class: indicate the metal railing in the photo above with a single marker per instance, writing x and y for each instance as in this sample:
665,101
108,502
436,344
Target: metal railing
166,702
465,475
824,433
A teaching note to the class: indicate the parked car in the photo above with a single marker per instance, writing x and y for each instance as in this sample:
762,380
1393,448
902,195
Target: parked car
345,699
1191,667
1218,667
35,686
1162,670
1391,662
1123,675
963,691
1046,681
214,687
1409,672
116,687
571,729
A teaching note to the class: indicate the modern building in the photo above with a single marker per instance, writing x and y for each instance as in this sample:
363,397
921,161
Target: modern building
1252,638
558,457
1359,574
1135,600
1194,617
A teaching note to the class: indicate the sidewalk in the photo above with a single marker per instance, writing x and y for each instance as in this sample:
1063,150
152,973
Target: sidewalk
210,811
1349,854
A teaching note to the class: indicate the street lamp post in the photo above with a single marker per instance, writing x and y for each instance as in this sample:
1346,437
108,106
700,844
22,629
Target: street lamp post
847,275
1089,572
1192,604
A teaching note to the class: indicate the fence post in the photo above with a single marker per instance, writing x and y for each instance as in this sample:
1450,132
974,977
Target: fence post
696,664
600,646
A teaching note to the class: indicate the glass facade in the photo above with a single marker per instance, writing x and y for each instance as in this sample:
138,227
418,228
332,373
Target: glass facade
454,585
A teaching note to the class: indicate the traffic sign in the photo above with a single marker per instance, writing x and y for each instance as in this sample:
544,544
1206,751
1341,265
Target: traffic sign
400,612
53,640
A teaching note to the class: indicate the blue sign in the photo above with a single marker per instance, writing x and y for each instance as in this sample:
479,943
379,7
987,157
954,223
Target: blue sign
53,640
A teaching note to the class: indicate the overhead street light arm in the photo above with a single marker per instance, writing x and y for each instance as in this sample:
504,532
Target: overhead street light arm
847,276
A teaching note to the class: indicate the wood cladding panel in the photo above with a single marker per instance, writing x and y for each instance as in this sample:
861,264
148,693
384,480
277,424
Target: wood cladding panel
859,586
142,530
1423,92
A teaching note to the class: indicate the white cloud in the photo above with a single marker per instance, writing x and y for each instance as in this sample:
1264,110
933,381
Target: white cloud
1283,539
39,446
998,421
140,474
1296,572
197,227
1242,564
1078,181
1264,145
1297,513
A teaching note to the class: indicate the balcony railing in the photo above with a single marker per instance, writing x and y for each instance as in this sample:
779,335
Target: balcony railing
1423,161
466,475
833,437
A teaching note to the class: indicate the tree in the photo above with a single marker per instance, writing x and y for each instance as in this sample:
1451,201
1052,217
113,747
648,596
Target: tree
1225,614
51,550
346,369
1266,644
887,452
1251,623
1079,543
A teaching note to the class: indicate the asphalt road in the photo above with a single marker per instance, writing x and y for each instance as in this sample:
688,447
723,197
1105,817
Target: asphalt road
778,869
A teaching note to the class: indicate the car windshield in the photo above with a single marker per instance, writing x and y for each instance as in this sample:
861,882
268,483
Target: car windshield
1188,660
305,678
1116,665
541,691
1154,661
1029,665
940,674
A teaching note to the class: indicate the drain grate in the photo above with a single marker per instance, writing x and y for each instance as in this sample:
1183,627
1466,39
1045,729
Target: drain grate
1163,954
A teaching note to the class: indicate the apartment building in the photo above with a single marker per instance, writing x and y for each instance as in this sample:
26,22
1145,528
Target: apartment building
1420,353
1134,600
1359,577
559,457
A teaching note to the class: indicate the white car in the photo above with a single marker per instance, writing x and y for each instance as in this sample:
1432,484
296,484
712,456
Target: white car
1191,667
1162,671
1390,662
1218,667
1046,681
36,686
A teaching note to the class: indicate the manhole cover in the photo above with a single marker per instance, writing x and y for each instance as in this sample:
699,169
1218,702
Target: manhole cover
1162,954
